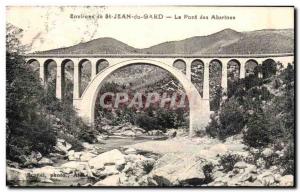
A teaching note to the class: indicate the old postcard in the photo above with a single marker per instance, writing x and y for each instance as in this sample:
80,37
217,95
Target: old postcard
150,96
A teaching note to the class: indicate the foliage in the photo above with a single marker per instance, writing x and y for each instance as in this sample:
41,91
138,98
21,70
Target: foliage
208,172
257,132
27,128
228,161
34,117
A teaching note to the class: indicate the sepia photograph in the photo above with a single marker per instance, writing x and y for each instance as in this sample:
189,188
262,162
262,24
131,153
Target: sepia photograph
150,96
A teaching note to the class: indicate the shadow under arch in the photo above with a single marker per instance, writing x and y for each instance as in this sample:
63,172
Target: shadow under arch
199,108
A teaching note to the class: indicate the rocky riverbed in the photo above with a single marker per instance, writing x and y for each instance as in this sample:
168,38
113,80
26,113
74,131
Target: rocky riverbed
177,161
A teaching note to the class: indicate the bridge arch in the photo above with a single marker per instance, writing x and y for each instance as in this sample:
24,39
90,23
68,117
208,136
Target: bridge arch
199,108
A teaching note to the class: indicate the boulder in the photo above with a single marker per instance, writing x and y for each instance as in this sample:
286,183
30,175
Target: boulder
78,167
45,161
155,133
112,181
266,178
62,146
241,165
267,152
73,156
86,156
287,180
107,158
171,133
14,174
130,150
36,155
179,168
138,165
108,170
128,133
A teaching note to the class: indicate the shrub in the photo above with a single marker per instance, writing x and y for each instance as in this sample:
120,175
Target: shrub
257,133
208,172
228,161
288,159
230,121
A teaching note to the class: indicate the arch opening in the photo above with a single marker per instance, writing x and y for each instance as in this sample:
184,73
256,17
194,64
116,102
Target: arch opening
180,64
251,67
143,104
101,65
197,74
268,68
85,74
50,67
233,75
199,109
34,65
215,89
67,80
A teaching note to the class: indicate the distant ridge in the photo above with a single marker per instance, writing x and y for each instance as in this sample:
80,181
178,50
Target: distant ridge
227,41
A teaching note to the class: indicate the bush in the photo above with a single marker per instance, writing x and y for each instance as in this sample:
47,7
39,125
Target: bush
257,133
208,172
230,121
288,159
228,161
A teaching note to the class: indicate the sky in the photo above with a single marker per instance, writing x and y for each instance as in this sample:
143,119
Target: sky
52,27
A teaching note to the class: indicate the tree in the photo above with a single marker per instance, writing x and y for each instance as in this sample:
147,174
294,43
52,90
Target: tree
27,128
257,133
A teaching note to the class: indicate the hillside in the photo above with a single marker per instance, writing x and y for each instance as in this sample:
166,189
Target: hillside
227,41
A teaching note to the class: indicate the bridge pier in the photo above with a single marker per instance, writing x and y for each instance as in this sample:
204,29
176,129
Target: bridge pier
76,84
242,70
59,81
224,76
206,81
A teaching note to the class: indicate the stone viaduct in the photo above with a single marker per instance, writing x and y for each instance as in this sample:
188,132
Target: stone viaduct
199,105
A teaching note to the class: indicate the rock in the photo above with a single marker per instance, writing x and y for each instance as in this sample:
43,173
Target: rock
254,150
241,165
266,178
101,138
155,133
36,155
86,156
260,162
130,151
217,174
107,158
77,166
62,146
179,168
277,177
267,152
12,164
109,181
74,156
287,180
45,161
128,133
171,133
14,174
108,170
138,165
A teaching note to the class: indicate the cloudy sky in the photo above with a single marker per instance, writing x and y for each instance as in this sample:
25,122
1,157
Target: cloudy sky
51,27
